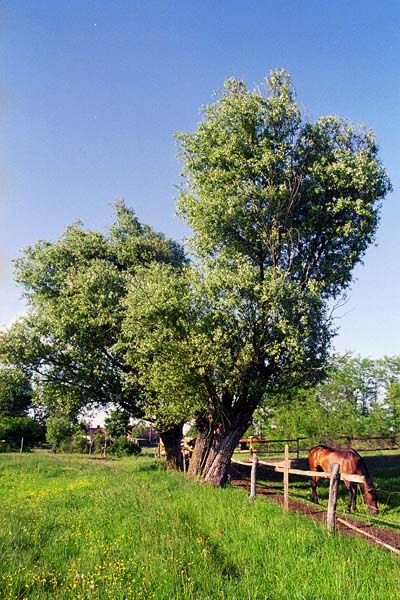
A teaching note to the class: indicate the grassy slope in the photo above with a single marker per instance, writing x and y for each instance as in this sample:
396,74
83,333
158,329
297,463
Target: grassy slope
77,528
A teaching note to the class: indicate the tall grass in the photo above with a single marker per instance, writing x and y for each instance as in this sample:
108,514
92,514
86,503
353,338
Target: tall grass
71,527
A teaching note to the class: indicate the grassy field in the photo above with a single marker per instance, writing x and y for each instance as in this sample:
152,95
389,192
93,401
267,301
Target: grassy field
73,527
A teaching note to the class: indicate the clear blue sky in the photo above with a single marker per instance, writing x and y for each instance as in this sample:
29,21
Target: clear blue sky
92,92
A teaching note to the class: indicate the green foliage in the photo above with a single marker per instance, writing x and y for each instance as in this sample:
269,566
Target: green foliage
137,244
358,398
394,405
267,184
77,443
15,392
281,209
169,539
116,423
160,338
75,288
137,430
99,442
13,429
59,429
123,447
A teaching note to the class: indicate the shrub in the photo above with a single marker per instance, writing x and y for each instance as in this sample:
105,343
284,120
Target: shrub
121,446
59,430
99,441
77,443
13,429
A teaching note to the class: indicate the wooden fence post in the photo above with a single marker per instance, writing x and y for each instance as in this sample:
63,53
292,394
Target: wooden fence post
184,460
332,502
253,479
286,480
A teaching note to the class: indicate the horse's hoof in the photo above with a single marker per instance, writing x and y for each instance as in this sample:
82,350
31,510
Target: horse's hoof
347,510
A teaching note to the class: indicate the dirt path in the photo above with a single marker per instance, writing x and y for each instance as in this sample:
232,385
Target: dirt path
240,476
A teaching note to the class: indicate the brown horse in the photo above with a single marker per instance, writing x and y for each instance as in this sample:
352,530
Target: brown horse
322,457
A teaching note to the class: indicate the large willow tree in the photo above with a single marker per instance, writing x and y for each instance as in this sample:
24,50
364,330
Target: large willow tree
281,209
68,344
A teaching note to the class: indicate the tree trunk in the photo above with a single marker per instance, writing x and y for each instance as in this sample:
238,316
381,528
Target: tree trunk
215,471
172,440
215,445
200,454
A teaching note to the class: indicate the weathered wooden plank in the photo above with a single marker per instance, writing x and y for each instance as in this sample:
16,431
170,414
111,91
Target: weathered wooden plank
305,473
353,478
322,475
253,479
369,535
273,463
286,480
301,472
333,494
241,462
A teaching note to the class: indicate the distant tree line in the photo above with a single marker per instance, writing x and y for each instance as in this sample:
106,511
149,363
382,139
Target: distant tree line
359,397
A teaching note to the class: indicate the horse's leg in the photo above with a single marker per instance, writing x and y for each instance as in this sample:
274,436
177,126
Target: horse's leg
348,485
354,496
314,496
314,480
352,487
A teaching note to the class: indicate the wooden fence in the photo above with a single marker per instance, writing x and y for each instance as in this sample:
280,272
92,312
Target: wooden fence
284,467
303,444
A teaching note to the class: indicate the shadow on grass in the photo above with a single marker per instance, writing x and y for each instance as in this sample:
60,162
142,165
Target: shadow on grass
151,467
218,559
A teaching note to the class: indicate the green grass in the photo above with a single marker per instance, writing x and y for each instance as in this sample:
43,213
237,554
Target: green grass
71,527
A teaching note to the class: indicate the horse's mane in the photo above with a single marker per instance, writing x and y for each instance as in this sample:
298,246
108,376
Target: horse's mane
364,468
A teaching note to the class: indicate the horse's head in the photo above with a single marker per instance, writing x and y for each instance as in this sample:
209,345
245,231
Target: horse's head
371,500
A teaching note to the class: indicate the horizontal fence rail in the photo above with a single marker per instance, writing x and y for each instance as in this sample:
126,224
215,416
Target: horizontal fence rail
280,468
303,444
